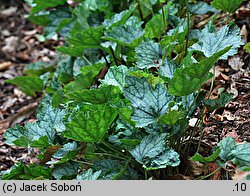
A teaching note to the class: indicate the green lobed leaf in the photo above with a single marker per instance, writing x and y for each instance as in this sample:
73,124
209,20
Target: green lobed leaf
86,78
201,8
96,4
189,79
50,121
66,171
38,68
87,38
149,54
39,19
150,146
89,175
53,117
91,123
211,158
116,76
219,102
171,117
96,96
28,84
113,169
148,104
242,155
68,147
226,5
211,41
151,79
168,158
32,172
155,27
167,69
81,13
13,134
129,34
71,50
117,20
59,18
153,154
227,147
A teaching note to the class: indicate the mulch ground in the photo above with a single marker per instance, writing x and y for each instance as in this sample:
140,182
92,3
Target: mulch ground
19,47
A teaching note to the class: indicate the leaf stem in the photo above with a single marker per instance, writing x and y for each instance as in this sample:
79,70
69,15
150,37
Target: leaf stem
122,171
215,171
105,58
145,174
163,17
188,26
84,57
107,154
84,162
212,83
140,10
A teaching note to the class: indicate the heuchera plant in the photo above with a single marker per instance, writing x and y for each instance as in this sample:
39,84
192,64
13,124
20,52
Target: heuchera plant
129,78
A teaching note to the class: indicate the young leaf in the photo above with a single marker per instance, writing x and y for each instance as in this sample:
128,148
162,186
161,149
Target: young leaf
89,175
171,117
227,147
28,84
226,5
91,123
211,158
149,54
155,27
116,76
129,34
148,103
189,79
151,79
211,41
